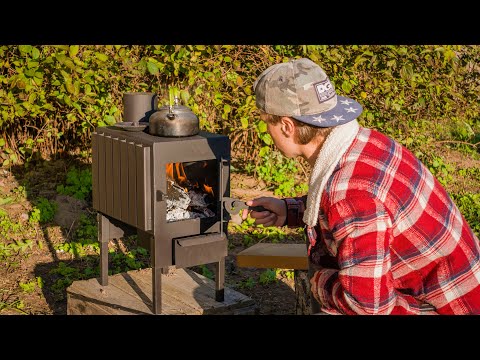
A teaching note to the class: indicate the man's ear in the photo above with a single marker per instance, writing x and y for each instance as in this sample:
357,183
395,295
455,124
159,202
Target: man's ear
287,126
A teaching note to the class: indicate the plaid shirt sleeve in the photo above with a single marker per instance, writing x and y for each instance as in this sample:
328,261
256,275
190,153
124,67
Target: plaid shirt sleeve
361,228
295,210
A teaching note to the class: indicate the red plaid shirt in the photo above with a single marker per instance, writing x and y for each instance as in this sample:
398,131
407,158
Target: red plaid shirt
388,237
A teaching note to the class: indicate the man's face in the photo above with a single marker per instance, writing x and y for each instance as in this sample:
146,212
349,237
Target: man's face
283,143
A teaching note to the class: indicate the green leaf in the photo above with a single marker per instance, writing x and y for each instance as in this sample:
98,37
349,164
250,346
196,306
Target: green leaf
32,64
101,57
40,282
184,95
2,142
262,126
35,53
32,97
346,86
152,68
244,123
61,58
70,87
67,100
6,201
73,51
109,119
25,49
264,151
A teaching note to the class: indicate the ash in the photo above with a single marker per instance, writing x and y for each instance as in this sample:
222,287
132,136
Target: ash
182,205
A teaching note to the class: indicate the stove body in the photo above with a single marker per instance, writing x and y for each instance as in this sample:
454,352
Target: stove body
132,193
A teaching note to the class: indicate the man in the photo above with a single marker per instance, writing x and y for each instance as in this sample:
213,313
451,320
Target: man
384,237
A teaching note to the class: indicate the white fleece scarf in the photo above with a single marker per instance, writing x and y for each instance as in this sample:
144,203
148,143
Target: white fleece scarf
333,148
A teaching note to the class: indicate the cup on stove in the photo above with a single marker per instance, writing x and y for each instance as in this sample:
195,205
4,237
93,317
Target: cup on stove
139,106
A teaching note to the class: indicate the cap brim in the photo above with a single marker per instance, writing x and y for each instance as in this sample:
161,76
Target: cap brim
346,110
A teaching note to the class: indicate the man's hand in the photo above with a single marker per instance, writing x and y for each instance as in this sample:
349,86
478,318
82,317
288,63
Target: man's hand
275,216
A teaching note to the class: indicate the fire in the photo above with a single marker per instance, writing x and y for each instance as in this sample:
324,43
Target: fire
176,173
208,189
179,176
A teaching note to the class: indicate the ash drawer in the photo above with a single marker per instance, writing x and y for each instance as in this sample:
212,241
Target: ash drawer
201,249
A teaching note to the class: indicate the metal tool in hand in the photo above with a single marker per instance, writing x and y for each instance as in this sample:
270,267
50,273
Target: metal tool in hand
233,206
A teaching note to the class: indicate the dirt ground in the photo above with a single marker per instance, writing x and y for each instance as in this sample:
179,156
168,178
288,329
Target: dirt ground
43,258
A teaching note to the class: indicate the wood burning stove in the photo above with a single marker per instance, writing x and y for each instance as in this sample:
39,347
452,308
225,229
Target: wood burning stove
167,190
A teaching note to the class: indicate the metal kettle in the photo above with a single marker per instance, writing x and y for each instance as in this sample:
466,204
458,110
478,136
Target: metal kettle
174,121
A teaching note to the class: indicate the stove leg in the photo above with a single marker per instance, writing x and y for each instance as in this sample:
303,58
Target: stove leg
157,290
156,278
220,281
103,237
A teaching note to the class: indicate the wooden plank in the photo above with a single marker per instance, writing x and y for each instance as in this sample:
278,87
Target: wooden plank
138,283
95,171
102,200
117,198
132,185
143,193
108,174
278,256
183,292
124,180
89,297
188,287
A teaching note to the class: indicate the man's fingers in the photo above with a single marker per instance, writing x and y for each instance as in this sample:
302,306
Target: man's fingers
268,220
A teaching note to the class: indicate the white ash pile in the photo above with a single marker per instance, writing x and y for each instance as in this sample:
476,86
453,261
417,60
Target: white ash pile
183,205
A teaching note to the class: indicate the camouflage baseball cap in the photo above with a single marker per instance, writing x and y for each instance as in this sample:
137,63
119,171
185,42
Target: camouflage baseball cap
302,90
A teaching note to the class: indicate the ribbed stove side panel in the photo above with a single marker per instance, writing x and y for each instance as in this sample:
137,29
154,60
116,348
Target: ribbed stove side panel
121,179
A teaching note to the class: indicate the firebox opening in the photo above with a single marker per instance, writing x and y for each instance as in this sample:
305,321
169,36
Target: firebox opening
192,190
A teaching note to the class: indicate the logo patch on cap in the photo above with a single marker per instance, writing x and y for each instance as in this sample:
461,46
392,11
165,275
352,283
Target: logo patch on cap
325,90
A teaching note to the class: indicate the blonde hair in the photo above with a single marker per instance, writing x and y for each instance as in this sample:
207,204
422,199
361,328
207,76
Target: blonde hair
304,133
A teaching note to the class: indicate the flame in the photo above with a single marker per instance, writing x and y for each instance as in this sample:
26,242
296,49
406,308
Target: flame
208,189
179,176
170,171
176,173
180,173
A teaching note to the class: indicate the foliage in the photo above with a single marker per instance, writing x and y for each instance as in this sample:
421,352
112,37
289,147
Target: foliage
28,287
16,305
206,272
248,283
131,260
267,277
11,241
279,172
469,205
85,238
83,245
77,184
43,211
289,274
415,93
